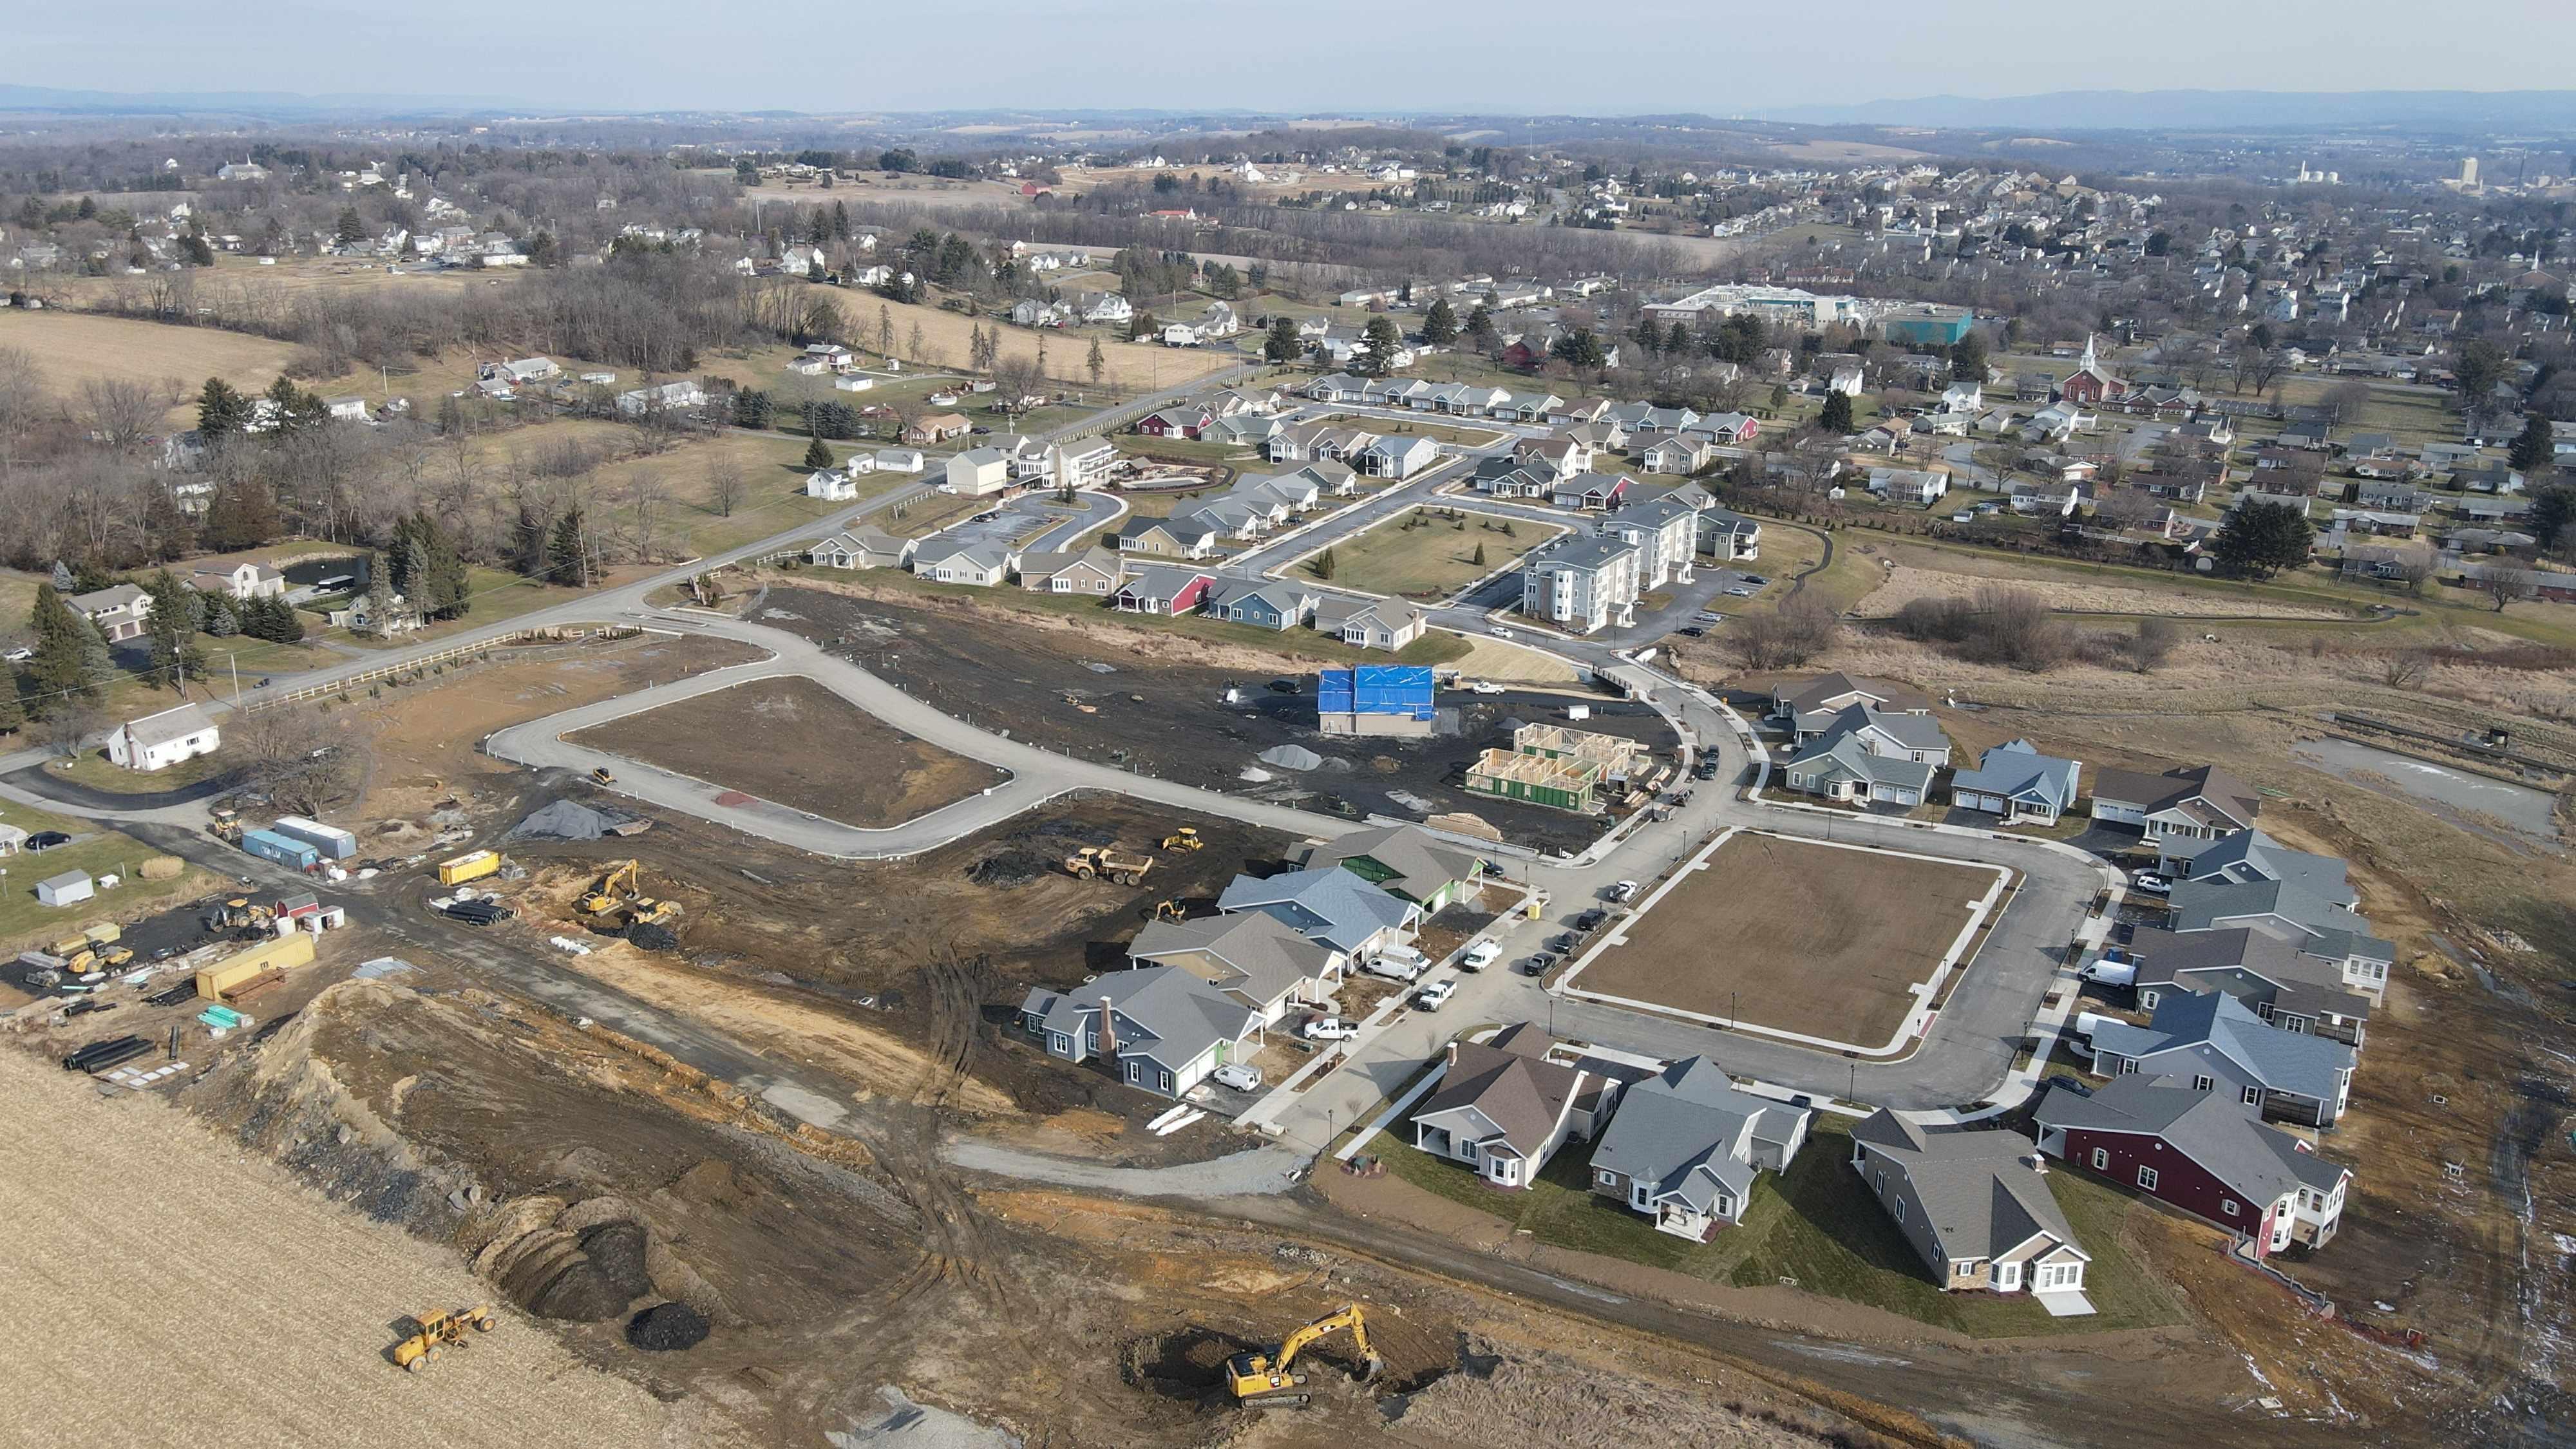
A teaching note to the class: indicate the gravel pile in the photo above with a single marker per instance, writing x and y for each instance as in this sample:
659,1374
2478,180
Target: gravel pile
1292,757
567,820
666,1327
645,936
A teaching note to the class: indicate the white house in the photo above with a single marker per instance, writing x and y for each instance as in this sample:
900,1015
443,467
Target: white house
979,470
899,460
158,741
832,485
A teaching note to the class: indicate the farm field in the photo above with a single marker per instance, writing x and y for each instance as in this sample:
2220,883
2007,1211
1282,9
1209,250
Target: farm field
1822,940
946,337
72,348
793,741
1433,560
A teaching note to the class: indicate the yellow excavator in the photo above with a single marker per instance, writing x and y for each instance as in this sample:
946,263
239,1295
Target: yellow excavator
437,1331
619,891
1270,1381
1169,911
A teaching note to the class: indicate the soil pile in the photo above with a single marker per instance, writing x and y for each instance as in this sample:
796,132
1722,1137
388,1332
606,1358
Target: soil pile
1188,1365
548,1273
647,936
1292,757
1005,869
567,820
666,1327
617,1251
1572,1406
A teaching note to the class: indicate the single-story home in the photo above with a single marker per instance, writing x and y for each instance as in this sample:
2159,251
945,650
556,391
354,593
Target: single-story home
2215,1043
1975,1206
1686,1145
2017,782
158,741
1160,1029
1330,905
1504,1108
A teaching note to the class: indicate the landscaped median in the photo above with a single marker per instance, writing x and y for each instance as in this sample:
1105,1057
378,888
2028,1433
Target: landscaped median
1814,1228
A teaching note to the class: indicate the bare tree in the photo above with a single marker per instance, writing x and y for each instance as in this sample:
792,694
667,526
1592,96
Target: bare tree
296,757
2344,401
2401,668
2152,644
1800,630
120,412
647,499
2511,585
22,394
724,486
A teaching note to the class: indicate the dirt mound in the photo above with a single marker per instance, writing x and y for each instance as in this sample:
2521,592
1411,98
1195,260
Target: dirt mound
617,1251
1188,1365
1291,757
1006,869
567,820
665,1327
647,936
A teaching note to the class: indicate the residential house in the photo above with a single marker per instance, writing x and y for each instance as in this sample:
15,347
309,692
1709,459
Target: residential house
1908,485
2276,978
1103,307
1504,1109
1592,490
2213,1042
1388,624
832,485
1975,1206
931,429
1583,583
158,741
1828,694
668,397
1180,422
1895,734
1685,1147
2017,782
1396,457
1732,537
860,548
1160,1029
2200,1153
1038,312
1665,533
1161,589
1328,904
1250,957
979,471
1841,767
980,562
1278,604
2557,586
239,581
1168,537
1682,453
898,460
1094,572
1406,861
119,612
2180,811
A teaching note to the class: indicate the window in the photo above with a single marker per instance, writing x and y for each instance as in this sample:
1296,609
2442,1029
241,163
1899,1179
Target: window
2202,1083
2147,1178
1609,1178
1900,1209
2101,1158
2128,1066
2253,1097
2228,1206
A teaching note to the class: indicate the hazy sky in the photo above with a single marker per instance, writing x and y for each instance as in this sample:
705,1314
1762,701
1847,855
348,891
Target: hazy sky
1607,57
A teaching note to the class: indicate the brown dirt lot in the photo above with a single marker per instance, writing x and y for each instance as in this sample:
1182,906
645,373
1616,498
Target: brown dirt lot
795,742
1797,936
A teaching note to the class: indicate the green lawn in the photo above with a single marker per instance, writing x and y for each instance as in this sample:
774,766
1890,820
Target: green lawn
92,769
1818,1225
498,595
1183,450
26,923
1432,561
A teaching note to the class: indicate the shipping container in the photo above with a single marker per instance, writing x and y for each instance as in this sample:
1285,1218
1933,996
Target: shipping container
333,842
105,933
284,849
281,953
472,866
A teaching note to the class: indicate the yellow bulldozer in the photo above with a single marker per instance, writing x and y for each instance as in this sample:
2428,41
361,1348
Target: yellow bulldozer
437,1331
1184,839
1270,1380
619,893
1099,860
600,776
224,824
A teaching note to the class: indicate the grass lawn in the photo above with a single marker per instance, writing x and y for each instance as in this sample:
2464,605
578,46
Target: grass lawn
498,594
24,922
1184,450
94,770
929,515
1446,432
1818,1225
1432,561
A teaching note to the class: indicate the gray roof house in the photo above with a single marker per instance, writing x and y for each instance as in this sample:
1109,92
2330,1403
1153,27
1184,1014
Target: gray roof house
1160,1029
2213,1043
1844,768
860,548
1686,1145
1396,457
1370,623
964,561
1899,736
1505,1109
2315,924
2251,855
2017,782
2202,1154
1094,571
1250,957
1405,861
2278,979
1829,694
1275,604
1976,1207
1327,904
2179,811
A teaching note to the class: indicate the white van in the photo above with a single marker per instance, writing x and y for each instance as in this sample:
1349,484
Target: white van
1238,1076
1397,963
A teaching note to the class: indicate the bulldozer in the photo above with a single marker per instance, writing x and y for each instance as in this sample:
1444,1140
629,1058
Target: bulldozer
1270,1381
437,1331
225,825
1184,839
600,776
1097,860
618,893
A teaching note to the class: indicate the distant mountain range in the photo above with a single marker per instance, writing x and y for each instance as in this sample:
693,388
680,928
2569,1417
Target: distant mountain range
2206,111
251,103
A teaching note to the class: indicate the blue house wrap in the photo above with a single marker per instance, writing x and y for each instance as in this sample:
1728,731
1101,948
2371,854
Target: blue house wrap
1396,689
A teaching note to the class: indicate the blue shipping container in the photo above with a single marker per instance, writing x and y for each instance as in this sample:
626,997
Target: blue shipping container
269,845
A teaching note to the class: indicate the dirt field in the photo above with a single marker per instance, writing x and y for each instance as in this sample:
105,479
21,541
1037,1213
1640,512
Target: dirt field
1906,583
1159,707
792,741
260,1307
1815,939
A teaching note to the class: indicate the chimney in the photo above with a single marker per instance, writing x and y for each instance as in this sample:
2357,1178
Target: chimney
1453,1052
1108,1026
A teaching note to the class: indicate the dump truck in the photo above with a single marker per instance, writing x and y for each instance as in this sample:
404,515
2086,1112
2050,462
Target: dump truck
434,1331
1270,1380
1097,860
473,865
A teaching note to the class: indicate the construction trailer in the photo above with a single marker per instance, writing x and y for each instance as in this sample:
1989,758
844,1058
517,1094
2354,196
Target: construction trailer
473,865
283,849
1375,699
1562,784
330,840
245,971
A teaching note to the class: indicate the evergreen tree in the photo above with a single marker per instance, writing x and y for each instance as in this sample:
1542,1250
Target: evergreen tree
2534,446
1836,417
352,227
1440,324
1325,565
13,708
221,621
1280,344
753,409
1579,349
2261,539
527,541
243,515
542,250
380,597
172,629
221,410
61,666
168,531
817,456
293,408
1479,559
1678,340
1379,342
568,555
2553,508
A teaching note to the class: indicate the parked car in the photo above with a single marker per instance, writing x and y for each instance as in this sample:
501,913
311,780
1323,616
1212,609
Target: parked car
2152,883
1484,686
1499,632
1756,580
1328,1028
1537,965
47,840
1565,941
1742,591
1590,919
1286,686
19,655
1431,997
1705,616
1397,963
1480,956
1694,632
1238,1076
1626,890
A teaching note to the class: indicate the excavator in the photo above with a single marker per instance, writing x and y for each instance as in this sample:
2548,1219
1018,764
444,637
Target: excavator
619,892
1269,1380
1169,910
437,1331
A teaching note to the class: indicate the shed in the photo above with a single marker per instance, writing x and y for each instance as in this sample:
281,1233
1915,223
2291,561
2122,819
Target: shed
69,888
